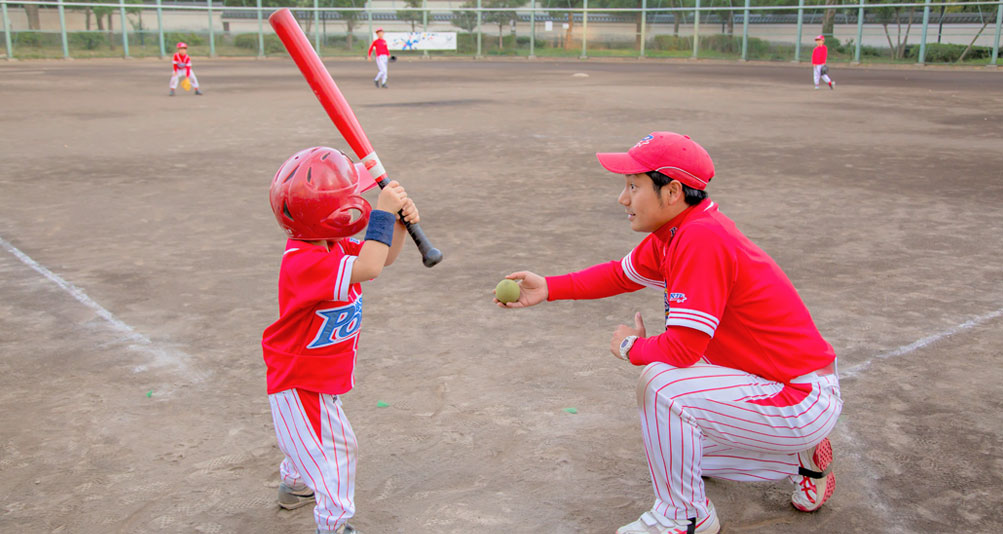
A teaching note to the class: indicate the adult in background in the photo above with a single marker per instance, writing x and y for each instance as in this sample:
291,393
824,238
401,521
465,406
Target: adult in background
741,385
382,57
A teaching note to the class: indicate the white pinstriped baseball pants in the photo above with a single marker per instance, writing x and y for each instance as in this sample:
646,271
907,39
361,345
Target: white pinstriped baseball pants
702,421
181,74
324,461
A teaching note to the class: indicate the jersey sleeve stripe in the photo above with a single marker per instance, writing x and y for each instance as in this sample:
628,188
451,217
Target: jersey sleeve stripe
628,268
696,325
344,281
695,314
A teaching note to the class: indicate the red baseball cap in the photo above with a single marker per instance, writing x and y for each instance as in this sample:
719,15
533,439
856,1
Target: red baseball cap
674,155
820,37
377,30
182,45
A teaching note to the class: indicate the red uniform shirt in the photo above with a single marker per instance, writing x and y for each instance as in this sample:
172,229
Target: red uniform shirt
717,282
381,48
182,61
312,345
819,55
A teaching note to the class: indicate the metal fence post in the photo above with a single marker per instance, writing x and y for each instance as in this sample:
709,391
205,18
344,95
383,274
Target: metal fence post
745,32
316,26
696,29
261,32
532,29
212,35
996,42
644,21
922,42
125,25
860,32
585,27
478,28
797,42
424,23
62,31
160,30
369,15
6,31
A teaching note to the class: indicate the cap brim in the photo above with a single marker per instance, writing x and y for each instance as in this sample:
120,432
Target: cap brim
620,163
366,181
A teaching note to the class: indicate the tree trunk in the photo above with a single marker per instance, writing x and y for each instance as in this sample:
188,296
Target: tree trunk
567,34
31,10
891,47
350,23
829,18
87,18
906,40
940,24
501,28
675,20
637,31
100,22
969,47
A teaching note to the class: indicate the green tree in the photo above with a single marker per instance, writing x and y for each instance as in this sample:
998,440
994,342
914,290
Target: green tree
501,18
411,15
351,18
465,20
564,4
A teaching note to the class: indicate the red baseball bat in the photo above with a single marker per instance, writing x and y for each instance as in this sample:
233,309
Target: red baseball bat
298,46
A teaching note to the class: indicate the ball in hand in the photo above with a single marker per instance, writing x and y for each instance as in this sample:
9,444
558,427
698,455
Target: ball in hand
507,291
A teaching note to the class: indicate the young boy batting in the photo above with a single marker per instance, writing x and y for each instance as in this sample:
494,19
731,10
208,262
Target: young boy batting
740,385
182,64
818,67
310,351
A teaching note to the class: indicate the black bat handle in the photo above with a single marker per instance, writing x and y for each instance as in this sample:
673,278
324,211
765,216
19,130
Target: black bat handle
430,255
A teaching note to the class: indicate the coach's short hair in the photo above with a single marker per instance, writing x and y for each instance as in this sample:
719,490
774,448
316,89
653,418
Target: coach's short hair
691,196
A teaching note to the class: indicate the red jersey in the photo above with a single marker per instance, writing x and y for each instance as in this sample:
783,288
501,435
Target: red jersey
819,55
717,282
312,345
182,61
381,48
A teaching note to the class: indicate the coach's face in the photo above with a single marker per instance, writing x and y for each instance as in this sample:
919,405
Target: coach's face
647,210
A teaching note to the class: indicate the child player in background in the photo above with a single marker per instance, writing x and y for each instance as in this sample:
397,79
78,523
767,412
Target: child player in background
819,68
382,56
182,64
310,350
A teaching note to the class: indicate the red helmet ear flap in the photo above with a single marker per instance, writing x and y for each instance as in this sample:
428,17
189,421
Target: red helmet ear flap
351,216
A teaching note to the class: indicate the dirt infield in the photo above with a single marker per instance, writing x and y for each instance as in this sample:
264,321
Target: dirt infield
140,259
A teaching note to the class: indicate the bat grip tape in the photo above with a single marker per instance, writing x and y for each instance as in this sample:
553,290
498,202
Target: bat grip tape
381,227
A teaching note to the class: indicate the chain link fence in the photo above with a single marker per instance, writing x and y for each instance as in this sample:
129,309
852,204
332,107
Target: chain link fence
862,32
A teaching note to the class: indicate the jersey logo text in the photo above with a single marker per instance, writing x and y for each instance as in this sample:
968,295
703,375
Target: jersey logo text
339,324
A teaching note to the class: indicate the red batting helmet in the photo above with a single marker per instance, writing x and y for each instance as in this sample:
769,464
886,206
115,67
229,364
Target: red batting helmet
316,195
182,45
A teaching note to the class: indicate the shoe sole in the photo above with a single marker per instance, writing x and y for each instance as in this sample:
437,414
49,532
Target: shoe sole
822,459
303,501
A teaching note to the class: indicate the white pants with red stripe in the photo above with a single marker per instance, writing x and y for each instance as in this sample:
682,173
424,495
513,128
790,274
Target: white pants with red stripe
817,73
708,420
320,451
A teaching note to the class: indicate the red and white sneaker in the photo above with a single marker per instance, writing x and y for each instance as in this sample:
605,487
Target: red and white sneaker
647,524
817,481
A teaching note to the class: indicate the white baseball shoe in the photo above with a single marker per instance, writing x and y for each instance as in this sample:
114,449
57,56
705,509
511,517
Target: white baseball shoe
647,524
817,481
294,497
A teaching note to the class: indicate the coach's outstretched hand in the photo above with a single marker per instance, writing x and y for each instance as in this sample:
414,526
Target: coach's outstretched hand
532,290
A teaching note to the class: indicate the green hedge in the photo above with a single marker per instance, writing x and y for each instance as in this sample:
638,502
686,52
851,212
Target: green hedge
273,44
948,53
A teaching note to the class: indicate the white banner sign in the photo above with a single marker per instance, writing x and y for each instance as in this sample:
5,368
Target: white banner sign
420,40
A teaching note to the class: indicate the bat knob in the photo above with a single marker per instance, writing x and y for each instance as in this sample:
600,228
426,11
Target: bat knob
433,257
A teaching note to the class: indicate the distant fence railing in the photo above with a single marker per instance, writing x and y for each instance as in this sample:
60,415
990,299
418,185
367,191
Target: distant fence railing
855,32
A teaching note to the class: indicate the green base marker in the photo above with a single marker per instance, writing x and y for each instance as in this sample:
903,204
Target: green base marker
381,404
149,393
571,410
